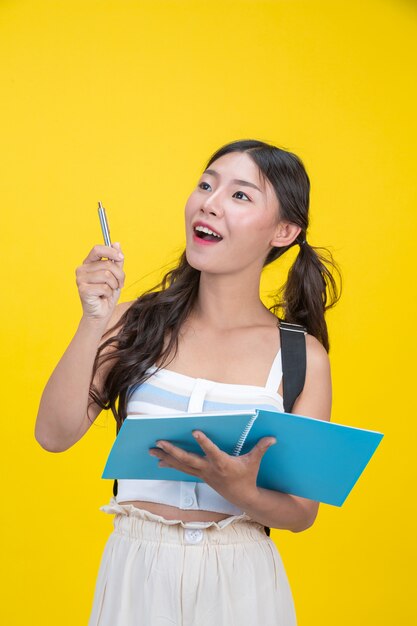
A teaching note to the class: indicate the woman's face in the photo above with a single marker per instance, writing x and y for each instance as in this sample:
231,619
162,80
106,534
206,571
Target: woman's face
231,199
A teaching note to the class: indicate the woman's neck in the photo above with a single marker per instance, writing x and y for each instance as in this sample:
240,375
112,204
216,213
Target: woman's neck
229,301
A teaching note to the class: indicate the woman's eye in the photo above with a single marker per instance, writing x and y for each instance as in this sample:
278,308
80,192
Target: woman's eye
243,194
200,185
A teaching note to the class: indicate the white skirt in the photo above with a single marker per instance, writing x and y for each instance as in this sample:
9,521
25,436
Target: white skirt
159,572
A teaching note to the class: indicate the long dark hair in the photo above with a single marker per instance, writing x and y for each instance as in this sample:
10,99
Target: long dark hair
159,313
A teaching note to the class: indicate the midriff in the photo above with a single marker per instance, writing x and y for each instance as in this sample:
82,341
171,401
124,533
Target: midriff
172,512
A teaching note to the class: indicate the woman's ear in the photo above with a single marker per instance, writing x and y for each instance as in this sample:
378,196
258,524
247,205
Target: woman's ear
285,234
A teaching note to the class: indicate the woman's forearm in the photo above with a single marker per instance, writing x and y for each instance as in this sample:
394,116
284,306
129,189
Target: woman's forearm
64,401
280,510
234,478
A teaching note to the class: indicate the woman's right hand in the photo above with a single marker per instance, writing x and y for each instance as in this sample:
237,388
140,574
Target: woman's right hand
99,282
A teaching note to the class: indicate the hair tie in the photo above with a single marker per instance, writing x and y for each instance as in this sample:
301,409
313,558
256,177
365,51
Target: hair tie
301,243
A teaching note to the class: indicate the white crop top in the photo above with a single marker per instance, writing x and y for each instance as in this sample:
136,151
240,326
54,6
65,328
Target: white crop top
167,393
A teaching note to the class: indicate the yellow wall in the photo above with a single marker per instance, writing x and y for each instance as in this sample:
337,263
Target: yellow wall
123,102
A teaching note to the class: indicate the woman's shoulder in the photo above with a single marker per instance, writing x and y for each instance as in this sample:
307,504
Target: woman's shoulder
122,307
316,352
119,310
316,397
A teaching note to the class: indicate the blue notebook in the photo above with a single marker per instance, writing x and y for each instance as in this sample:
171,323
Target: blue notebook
312,458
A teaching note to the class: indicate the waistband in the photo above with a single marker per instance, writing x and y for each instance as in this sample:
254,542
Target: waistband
138,523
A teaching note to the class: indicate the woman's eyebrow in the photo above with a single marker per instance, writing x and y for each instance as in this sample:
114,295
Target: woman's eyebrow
235,180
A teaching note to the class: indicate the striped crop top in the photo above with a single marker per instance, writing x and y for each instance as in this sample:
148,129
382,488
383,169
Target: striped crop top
167,393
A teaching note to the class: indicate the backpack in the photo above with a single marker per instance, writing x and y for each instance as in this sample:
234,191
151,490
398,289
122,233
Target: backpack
293,356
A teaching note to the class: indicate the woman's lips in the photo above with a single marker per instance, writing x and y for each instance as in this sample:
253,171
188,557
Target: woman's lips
204,225
205,242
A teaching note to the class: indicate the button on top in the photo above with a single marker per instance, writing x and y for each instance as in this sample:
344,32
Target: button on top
193,535
188,501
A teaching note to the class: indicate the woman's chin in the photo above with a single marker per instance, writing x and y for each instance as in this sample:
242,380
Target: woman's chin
200,264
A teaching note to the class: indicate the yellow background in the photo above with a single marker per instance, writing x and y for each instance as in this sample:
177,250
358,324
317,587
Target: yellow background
124,102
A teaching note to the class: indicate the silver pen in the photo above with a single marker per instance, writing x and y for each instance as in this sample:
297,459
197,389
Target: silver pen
104,225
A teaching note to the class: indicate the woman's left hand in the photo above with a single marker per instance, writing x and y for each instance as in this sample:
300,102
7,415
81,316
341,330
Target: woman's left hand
233,477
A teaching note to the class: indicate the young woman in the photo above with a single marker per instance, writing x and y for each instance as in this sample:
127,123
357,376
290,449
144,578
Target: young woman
196,553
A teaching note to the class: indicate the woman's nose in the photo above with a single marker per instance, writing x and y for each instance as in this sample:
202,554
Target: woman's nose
212,205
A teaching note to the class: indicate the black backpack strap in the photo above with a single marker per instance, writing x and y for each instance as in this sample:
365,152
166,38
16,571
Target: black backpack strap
293,356
294,362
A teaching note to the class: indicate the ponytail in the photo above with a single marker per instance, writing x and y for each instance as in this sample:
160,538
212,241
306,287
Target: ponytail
310,290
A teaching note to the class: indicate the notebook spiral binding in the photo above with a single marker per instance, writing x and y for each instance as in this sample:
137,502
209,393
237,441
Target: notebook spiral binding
239,445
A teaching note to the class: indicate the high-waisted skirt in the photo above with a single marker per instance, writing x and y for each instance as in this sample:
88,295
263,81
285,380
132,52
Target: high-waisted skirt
159,572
